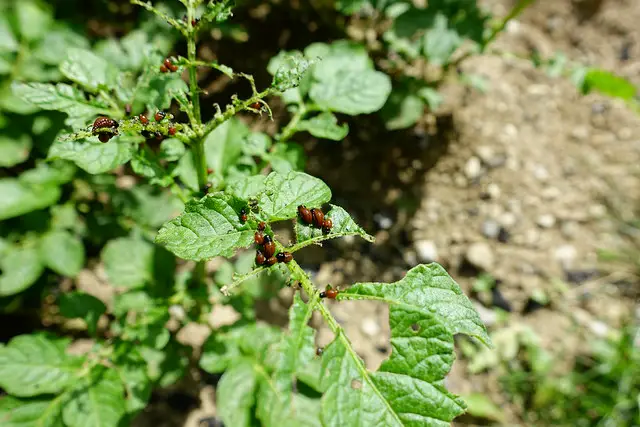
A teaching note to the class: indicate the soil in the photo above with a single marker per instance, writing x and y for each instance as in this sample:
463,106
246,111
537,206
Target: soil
514,183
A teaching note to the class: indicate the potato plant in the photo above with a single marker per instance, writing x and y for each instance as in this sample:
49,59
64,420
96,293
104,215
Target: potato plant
230,185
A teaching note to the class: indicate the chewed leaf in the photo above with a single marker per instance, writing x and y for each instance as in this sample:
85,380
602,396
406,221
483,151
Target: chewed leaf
31,365
408,388
343,225
207,228
428,289
282,194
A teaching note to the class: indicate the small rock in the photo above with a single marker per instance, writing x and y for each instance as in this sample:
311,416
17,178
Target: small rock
565,255
597,211
370,327
473,168
410,257
490,229
569,228
493,190
480,255
489,157
580,133
551,193
599,328
546,221
383,221
426,250
507,219
540,173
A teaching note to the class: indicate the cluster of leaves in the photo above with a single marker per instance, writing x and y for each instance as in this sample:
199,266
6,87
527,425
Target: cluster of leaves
121,199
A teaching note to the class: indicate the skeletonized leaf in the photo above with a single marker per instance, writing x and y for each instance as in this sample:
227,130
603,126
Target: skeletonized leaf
84,306
31,365
17,198
88,69
429,289
96,401
21,267
30,412
325,125
93,156
235,392
343,225
62,252
407,390
207,228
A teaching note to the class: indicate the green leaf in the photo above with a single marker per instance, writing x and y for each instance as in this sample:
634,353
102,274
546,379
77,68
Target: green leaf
84,306
17,198
33,20
278,404
402,110
55,44
89,70
132,369
14,151
149,330
246,187
481,406
49,174
343,225
207,228
352,92
235,392
128,262
428,289
608,84
60,97
21,267
166,366
62,252
407,390
286,157
256,144
440,41
30,413
222,350
96,157
282,194
171,149
148,205
223,146
31,365
325,125
8,42
156,90
97,401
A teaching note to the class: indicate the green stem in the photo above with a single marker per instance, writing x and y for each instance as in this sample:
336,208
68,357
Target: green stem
290,128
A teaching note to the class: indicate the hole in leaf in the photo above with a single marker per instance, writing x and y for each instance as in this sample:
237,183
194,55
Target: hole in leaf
356,384
415,327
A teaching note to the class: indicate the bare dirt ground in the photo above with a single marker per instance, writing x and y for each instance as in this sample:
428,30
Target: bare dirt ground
514,183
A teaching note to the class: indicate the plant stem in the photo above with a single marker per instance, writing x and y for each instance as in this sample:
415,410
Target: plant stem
199,155
198,145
